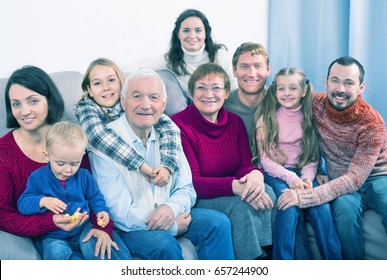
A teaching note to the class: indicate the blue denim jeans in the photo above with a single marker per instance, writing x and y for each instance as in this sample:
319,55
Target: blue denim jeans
74,249
209,231
88,248
290,240
348,211
61,249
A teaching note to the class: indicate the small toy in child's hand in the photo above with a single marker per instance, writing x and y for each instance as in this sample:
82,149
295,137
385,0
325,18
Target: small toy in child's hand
100,222
73,217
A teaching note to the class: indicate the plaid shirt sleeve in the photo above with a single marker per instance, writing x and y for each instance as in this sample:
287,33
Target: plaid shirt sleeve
91,119
170,143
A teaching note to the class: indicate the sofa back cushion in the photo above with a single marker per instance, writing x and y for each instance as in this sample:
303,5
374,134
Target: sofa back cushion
178,99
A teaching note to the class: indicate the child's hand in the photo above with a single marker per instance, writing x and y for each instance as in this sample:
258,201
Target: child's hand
161,176
146,169
309,183
53,204
298,184
103,219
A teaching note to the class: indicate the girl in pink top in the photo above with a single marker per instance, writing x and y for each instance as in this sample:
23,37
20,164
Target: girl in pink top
287,148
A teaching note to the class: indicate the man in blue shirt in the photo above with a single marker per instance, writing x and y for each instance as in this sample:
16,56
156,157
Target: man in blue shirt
149,216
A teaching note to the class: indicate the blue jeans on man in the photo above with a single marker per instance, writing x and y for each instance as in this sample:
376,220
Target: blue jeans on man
290,240
209,231
348,211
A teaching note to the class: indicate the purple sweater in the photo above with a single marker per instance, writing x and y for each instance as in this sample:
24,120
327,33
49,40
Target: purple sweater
218,153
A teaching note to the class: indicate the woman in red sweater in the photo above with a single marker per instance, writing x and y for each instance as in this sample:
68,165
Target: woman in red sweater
216,146
33,103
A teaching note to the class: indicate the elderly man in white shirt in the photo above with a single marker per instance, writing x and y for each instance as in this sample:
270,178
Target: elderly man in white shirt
149,217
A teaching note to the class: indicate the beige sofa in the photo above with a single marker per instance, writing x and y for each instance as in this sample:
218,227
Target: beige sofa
69,84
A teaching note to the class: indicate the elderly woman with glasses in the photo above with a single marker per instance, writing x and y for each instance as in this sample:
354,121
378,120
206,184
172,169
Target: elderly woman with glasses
216,146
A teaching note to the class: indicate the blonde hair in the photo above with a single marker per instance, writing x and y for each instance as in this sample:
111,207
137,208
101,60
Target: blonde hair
254,48
104,62
266,112
66,133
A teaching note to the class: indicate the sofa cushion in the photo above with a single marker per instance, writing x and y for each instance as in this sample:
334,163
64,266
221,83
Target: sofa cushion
69,85
178,99
25,247
375,238
3,129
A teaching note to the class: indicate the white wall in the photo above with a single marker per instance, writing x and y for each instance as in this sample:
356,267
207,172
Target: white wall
61,35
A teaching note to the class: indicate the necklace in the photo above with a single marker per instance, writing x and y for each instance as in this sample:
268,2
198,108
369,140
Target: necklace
35,154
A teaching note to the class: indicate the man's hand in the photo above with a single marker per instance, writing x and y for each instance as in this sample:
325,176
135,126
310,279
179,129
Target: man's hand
104,243
287,199
162,218
183,222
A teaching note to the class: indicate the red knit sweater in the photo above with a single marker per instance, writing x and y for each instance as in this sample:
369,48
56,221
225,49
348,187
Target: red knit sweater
218,153
354,143
15,168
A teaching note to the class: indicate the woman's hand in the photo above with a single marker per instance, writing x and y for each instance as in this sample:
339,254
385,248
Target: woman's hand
287,199
104,243
64,222
264,203
253,186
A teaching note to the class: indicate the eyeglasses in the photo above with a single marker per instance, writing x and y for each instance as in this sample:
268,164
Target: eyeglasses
214,89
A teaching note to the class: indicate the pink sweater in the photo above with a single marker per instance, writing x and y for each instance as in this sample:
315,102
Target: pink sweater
354,142
290,142
218,153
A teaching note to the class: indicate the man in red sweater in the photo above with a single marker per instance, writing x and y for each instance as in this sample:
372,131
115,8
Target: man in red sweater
354,143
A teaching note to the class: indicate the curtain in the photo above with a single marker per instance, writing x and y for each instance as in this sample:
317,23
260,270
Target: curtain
311,34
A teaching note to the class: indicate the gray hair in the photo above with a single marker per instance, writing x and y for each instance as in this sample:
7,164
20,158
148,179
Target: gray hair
142,73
